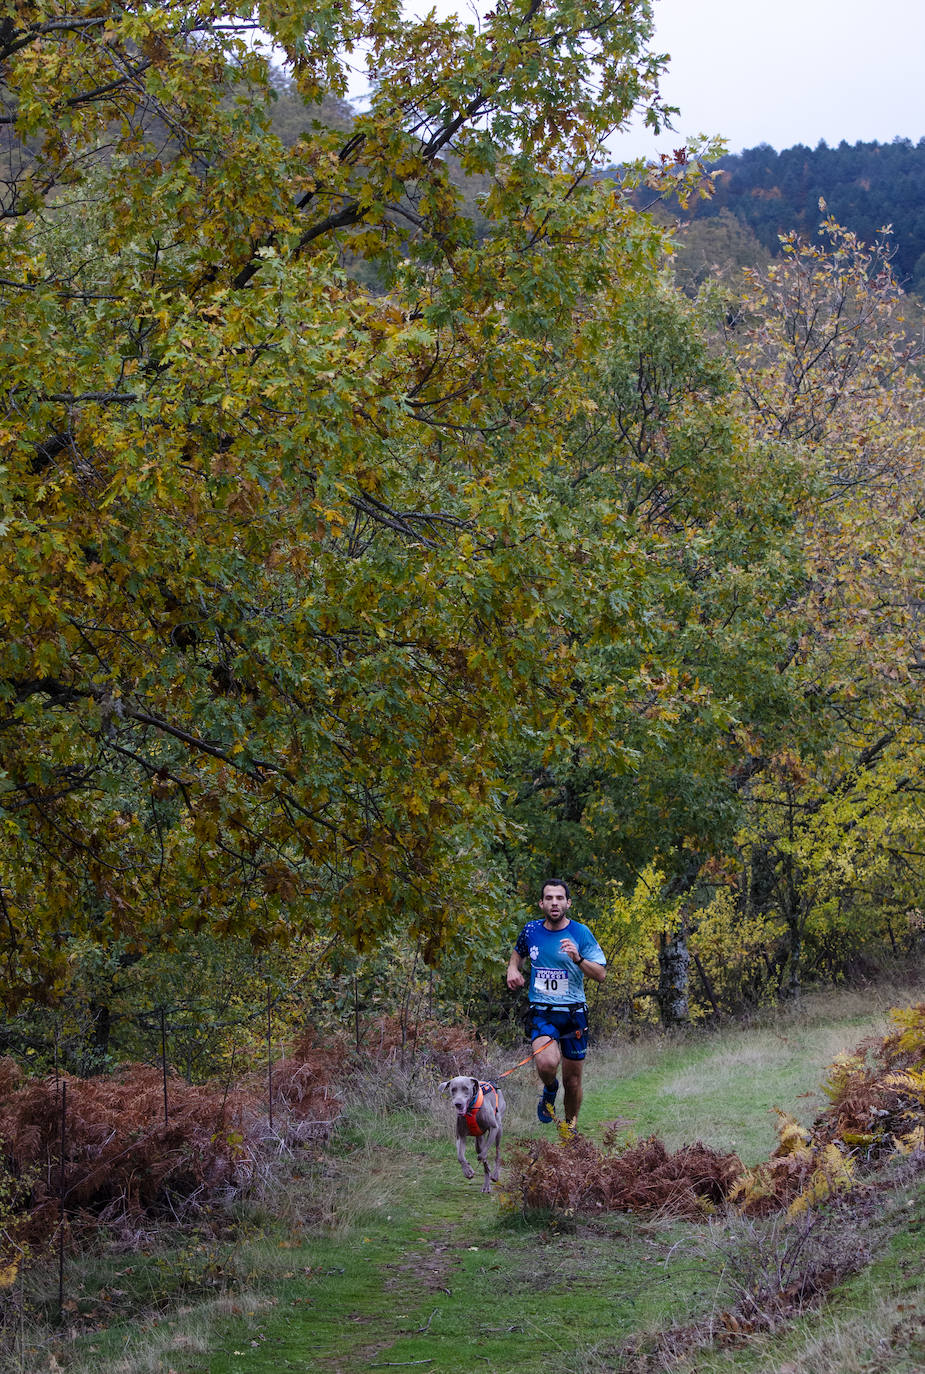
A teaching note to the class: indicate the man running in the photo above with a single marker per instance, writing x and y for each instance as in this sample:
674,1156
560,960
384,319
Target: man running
562,953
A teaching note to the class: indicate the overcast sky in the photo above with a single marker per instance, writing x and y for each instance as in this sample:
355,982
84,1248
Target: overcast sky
791,71
795,71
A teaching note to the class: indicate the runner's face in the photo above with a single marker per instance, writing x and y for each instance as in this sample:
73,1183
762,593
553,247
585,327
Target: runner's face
554,904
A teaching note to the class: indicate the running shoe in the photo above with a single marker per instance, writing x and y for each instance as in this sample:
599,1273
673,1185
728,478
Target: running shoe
545,1107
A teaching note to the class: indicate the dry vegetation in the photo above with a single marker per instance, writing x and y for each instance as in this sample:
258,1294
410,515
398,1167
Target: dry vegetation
780,1234
573,1174
129,1151
113,1151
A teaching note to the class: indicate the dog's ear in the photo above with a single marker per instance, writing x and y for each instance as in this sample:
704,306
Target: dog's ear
443,1086
475,1086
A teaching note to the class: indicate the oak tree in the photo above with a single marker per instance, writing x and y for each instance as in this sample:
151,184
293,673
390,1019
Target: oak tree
274,558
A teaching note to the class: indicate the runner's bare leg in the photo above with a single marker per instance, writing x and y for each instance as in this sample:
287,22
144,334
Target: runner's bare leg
571,1081
546,1058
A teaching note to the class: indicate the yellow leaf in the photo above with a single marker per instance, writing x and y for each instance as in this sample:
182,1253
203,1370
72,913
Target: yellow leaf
911,1143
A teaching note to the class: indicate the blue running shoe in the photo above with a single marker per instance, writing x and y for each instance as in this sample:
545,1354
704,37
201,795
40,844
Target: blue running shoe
546,1104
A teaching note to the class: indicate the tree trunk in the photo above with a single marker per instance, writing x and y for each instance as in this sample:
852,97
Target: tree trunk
791,985
705,981
792,911
674,963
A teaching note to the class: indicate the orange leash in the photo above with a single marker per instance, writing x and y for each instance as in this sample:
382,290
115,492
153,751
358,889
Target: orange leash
520,1063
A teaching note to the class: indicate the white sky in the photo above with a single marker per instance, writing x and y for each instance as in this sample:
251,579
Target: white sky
791,71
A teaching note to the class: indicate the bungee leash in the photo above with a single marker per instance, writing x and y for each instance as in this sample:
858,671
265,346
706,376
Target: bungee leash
520,1063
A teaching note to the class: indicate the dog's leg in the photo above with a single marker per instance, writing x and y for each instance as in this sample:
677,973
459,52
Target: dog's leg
496,1172
482,1148
461,1135
492,1137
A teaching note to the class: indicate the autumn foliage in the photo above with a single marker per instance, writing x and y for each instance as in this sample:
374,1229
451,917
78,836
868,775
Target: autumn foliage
878,1093
877,1097
270,537
124,1166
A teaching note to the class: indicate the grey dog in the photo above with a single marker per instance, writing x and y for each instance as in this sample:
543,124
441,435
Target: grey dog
479,1112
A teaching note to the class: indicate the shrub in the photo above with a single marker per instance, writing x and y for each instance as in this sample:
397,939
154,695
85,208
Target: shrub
123,1165
573,1173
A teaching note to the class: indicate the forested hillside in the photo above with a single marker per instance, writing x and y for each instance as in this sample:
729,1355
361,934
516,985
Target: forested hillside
865,186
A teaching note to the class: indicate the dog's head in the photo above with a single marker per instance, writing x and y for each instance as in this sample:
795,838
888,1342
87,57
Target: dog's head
461,1090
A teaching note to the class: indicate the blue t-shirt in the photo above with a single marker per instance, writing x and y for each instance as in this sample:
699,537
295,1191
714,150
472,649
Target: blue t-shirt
555,978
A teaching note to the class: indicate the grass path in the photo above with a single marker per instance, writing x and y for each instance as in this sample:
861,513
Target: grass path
433,1275
422,1272
447,1276
722,1088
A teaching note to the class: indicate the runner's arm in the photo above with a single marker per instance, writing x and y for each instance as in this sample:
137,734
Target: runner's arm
515,977
592,970
598,972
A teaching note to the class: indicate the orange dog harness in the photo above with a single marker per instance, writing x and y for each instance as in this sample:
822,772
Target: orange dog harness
478,1097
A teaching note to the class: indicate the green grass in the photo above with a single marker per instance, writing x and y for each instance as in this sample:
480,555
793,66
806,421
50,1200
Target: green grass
415,1268
723,1088
469,1283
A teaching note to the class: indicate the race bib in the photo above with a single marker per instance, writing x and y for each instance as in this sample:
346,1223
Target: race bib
551,983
